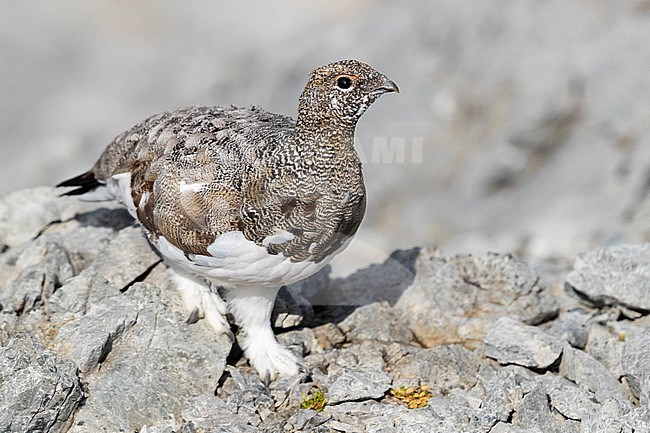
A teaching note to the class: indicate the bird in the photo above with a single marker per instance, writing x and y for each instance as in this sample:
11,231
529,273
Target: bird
242,201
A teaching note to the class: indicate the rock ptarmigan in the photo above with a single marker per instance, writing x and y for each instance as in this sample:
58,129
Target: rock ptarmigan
244,199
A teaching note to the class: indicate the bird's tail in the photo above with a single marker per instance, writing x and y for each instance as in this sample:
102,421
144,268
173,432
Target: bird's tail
84,182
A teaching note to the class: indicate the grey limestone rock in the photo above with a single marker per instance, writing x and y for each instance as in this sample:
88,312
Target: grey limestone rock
370,354
502,427
639,418
88,340
40,391
570,400
636,365
127,257
26,291
83,243
452,410
534,411
376,321
120,262
304,420
79,294
570,426
206,411
24,214
301,341
614,275
503,390
572,326
511,342
349,384
585,370
611,418
374,417
443,367
159,364
328,335
607,346
454,300
39,269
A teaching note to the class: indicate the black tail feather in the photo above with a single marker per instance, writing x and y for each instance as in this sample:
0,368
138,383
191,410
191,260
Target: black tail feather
85,183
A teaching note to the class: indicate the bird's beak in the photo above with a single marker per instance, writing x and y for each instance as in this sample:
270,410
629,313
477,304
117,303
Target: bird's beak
388,86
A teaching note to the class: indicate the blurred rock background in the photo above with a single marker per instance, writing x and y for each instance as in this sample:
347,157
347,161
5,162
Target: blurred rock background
522,126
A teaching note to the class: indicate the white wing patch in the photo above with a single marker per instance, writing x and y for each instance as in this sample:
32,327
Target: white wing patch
280,237
193,187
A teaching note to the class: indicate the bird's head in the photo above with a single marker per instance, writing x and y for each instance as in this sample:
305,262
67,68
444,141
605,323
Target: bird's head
339,93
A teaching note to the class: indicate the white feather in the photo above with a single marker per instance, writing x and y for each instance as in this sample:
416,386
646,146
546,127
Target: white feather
194,187
235,262
280,237
118,188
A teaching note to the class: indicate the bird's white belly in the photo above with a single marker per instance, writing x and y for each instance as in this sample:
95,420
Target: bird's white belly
238,262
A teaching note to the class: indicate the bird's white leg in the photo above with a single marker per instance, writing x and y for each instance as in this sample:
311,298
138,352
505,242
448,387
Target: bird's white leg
252,311
201,302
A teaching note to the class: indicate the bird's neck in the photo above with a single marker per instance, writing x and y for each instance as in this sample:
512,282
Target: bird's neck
318,123
324,133
323,150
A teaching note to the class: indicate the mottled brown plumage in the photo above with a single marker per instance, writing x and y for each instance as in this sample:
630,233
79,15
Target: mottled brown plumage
294,188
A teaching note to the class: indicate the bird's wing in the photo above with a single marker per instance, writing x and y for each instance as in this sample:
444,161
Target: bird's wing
181,173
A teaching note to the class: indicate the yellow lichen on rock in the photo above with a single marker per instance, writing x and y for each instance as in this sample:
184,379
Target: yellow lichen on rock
412,397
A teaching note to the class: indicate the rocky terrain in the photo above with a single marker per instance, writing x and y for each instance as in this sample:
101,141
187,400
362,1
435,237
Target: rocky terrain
94,339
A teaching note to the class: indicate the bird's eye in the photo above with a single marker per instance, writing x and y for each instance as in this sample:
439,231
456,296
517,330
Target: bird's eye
344,82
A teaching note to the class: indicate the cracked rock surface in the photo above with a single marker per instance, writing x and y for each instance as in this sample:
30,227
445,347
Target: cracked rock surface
93,338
